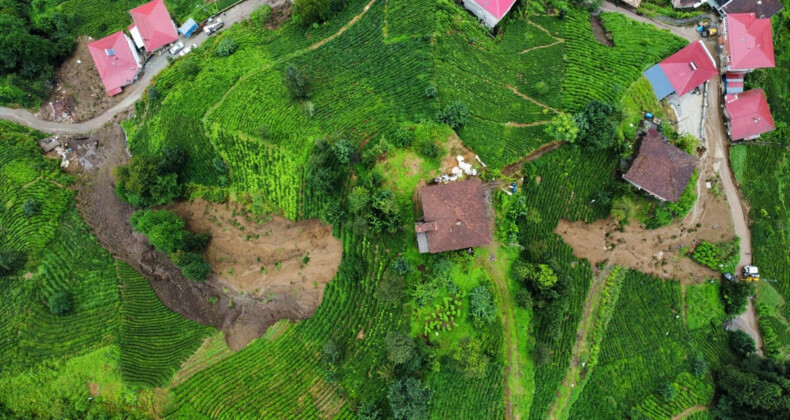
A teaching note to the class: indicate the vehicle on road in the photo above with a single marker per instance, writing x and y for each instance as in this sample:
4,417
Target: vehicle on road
213,26
175,48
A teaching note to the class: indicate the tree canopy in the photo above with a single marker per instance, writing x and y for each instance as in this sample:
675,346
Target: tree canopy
596,124
408,399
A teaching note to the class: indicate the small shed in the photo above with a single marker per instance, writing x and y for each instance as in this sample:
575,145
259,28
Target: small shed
188,28
48,144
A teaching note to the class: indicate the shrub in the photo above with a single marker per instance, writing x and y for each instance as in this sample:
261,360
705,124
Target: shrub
742,343
143,182
403,138
227,47
408,399
455,114
482,306
735,296
61,303
297,83
428,149
596,125
30,207
563,128
401,266
431,91
343,151
10,261
667,391
190,68
524,299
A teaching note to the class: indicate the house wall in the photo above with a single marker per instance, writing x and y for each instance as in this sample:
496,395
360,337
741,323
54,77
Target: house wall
481,13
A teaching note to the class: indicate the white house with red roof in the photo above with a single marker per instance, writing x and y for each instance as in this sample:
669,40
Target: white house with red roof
153,25
117,61
683,71
748,115
489,11
746,43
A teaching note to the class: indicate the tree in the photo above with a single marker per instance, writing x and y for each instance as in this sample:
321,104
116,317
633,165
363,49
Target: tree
482,306
742,343
735,296
596,125
623,209
455,114
401,267
143,182
10,261
296,82
163,228
30,207
343,151
542,276
61,303
667,391
469,355
431,91
190,68
408,399
392,288
368,411
172,160
699,367
227,47
193,266
755,388
563,128
358,200
524,299
428,149
309,12
400,347
330,352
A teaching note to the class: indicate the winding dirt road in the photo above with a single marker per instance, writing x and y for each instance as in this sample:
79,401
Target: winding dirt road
153,67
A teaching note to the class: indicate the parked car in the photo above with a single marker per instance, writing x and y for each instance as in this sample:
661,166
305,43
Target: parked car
175,48
186,50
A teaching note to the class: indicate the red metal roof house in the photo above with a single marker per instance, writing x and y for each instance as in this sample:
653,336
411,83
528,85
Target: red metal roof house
747,43
154,24
683,71
116,60
748,115
489,11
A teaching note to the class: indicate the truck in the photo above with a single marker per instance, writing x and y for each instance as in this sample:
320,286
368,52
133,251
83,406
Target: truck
213,26
751,273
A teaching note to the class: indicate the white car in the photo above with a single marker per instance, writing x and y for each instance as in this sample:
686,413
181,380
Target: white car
175,48
186,50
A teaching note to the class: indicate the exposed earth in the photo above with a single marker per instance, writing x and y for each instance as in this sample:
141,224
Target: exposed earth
242,316
274,258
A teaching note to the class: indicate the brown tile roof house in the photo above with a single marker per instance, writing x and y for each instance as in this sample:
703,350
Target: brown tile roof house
660,168
455,217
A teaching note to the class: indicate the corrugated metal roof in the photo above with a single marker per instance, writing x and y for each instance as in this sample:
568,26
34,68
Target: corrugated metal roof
660,82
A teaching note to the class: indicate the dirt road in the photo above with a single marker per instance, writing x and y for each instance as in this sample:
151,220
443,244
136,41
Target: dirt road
687,32
747,322
153,67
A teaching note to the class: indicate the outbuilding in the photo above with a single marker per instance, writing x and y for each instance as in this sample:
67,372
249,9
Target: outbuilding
188,28
489,12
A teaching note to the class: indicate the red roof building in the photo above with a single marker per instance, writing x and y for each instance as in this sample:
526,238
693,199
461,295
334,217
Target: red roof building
489,11
153,22
747,42
748,115
683,71
116,60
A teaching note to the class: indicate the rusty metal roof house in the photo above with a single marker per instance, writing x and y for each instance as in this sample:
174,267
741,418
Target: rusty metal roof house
455,216
661,169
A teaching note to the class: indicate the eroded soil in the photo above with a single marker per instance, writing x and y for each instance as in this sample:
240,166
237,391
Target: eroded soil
243,317
275,258
654,251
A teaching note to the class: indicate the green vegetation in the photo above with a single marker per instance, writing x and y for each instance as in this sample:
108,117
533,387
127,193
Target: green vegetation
703,305
722,257
63,316
755,387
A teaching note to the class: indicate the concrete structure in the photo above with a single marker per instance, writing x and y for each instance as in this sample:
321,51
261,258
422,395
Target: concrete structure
117,61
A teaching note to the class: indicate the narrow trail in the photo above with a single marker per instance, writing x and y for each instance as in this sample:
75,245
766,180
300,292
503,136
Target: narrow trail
521,125
541,46
560,403
542,150
690,411
343,29
546,31
513,388
528,98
